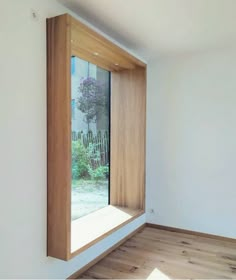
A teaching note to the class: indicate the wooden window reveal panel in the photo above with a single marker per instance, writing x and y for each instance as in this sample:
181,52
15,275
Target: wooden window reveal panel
58,137
128,111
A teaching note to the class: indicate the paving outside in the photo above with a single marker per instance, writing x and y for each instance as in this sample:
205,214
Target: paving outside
88,196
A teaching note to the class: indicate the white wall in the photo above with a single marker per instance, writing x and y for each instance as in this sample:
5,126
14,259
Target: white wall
23,147
191,142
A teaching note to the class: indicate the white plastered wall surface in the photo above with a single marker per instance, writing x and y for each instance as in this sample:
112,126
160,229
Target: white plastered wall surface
191,136
23,181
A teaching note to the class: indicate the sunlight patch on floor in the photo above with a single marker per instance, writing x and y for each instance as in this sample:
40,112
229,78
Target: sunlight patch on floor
157,274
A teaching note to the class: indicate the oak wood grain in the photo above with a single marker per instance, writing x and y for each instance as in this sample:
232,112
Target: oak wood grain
86,41
94,227
197,233
58,137
67,37
128,130
161,254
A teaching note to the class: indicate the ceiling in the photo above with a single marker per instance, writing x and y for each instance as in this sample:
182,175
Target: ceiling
156,28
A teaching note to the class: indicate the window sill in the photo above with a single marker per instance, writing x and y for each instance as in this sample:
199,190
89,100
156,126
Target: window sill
88,230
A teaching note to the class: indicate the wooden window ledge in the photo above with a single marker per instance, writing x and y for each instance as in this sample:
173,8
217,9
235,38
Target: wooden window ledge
88,230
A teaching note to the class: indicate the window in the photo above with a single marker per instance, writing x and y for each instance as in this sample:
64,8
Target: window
85,144
73,62
90,93
73,109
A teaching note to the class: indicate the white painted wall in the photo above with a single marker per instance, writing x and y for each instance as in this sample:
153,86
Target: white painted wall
23,147
191,142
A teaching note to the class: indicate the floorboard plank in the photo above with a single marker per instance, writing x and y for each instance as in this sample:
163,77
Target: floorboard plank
171,255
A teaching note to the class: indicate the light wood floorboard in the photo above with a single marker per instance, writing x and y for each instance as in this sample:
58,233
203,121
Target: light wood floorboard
160,254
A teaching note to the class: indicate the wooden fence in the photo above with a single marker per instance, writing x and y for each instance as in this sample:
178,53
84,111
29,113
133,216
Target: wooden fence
96,144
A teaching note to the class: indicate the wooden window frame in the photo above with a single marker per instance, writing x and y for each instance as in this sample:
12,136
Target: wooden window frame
68,37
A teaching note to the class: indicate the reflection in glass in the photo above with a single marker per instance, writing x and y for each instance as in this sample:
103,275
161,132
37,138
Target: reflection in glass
90,109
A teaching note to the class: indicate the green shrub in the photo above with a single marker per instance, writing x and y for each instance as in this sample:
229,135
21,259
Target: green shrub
94,155
100,173
80,161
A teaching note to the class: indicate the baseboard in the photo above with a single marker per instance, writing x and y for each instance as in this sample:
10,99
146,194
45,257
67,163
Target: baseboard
200,234
104,254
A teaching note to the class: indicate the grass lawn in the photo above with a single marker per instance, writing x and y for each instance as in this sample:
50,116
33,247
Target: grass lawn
88,196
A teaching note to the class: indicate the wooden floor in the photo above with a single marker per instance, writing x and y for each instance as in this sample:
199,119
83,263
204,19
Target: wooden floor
154,253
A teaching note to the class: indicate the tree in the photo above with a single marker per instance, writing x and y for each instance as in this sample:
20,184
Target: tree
92,99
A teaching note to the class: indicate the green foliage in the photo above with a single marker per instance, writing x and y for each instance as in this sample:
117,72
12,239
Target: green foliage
100,173
80,160
85,162
94,155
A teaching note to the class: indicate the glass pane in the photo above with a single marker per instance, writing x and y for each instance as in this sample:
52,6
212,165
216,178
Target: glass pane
90,116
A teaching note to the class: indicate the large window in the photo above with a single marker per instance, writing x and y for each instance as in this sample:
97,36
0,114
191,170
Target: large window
93,190
90,99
